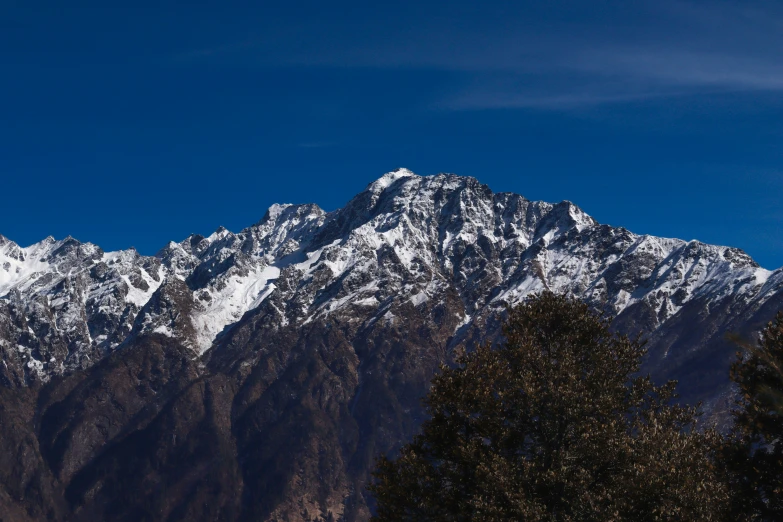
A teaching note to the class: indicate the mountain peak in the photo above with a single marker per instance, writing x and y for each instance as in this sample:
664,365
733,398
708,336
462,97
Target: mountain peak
276,209
388,179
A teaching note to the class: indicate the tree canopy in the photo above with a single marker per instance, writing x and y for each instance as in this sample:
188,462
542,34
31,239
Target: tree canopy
755,456
553,424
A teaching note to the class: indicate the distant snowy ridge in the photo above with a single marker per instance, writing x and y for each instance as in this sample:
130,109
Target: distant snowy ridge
406,240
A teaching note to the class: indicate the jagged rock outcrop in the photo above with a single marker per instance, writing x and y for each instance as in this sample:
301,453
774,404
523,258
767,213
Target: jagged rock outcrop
256,375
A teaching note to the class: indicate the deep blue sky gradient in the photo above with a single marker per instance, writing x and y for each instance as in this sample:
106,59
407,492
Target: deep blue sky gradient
136,125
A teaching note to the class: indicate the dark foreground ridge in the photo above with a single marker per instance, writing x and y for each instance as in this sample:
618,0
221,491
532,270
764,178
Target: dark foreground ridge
256,375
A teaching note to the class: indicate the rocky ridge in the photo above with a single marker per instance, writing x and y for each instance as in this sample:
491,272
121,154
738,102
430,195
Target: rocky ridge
303,343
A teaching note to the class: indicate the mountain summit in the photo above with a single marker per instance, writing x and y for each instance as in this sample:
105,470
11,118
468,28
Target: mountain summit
300,346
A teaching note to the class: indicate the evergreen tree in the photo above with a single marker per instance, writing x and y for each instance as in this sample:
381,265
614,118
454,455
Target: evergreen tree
552,425
756,457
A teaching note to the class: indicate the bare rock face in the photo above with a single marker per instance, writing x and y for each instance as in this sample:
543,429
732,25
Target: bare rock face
257,375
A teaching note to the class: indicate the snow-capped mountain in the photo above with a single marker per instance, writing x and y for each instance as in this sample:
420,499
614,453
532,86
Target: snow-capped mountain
404,237
344,316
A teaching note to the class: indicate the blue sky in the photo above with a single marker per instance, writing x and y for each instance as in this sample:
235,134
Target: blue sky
133,125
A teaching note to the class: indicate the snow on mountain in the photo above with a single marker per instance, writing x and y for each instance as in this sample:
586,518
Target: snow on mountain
405,238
